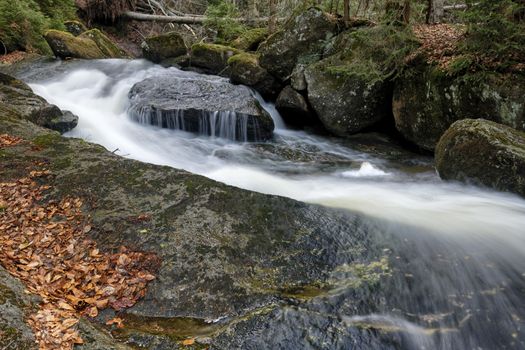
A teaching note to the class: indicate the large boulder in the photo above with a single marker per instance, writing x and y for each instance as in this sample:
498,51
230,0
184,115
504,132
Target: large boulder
18,100
346,103
302,40
161,47
209,106
92,44
75,27
427,101
293,107
212,58
483,152
245,69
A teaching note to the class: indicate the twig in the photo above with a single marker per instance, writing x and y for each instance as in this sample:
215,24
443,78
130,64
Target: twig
12,341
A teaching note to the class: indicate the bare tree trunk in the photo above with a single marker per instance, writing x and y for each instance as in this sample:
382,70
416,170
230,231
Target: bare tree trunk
346,12
273,16
436,11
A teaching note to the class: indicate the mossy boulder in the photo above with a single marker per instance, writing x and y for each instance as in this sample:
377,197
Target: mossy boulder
249,40
346,103
92,44
427,101
302,40
483,152
66,45
162,47
213,58
108,48
75,27
245,69
18,101
293,108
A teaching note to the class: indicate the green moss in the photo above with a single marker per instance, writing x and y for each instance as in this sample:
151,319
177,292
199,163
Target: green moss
65,45
47,140
108,48
244,58
250,39
75,27
214,48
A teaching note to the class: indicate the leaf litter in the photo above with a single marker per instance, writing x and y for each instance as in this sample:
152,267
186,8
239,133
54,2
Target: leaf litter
45,245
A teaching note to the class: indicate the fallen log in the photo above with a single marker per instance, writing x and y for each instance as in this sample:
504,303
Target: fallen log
186,19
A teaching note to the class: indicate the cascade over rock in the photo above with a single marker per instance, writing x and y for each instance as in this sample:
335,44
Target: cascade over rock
483,152
210,106
427,101
302,40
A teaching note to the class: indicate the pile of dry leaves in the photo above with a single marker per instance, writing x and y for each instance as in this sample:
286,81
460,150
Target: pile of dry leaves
439,42
45,245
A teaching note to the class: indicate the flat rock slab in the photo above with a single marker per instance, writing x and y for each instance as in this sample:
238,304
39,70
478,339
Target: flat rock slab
201,104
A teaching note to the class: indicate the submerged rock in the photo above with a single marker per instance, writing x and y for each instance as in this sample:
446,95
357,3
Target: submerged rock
427,101
245,69
205,105
483,152
212,57
161,47
18,100
302,40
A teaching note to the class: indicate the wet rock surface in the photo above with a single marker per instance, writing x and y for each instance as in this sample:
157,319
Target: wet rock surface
18,101
293,107
483,152
210,106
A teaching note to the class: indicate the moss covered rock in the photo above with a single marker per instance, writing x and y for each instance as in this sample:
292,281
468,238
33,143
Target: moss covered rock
66,45
245,69
161,47
249,40
108,48
75,27
302,40
346,103
427,101
213,58
18,101
483,152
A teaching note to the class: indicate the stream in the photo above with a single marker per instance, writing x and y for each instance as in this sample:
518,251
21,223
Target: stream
460,248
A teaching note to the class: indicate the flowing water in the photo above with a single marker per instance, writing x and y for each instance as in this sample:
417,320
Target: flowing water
462,248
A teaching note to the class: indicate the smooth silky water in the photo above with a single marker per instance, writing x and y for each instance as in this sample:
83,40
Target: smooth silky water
456,253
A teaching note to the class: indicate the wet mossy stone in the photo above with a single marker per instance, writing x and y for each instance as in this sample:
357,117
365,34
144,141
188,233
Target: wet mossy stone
427,101
346,103
483,152
18,101
105,44
66,45
162,47
302,40
250,39
75,27
245,69
213,58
